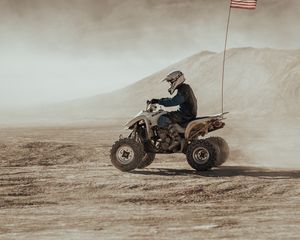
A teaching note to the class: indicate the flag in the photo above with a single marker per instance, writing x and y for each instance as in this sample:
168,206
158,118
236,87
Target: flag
244,4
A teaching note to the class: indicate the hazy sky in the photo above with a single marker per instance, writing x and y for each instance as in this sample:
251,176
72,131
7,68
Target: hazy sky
56,50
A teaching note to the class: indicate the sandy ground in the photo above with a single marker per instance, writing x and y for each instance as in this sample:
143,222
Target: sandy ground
58,183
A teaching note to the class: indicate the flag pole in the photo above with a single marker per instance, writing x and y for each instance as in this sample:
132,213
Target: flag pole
224,58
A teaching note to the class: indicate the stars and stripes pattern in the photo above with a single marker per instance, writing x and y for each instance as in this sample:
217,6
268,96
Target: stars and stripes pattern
243,4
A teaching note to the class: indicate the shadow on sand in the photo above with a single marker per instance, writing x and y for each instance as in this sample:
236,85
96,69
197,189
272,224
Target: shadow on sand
225,171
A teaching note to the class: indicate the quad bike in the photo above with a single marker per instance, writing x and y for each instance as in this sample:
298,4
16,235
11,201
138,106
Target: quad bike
146,139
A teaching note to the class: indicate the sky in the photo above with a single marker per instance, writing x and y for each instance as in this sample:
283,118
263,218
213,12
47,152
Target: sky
58,50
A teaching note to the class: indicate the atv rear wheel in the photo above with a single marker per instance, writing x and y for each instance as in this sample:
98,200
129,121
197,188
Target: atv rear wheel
126,154
147,160
202,155
224,149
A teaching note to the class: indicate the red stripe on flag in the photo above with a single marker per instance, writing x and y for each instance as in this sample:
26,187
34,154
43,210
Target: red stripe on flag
243,1
244,4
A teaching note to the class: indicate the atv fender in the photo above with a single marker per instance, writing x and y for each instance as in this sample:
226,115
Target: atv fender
137,120
196,125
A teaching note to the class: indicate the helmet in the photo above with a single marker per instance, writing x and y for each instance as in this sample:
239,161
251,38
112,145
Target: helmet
175,79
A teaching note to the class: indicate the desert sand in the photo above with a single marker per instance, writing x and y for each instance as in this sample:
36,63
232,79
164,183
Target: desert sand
58,183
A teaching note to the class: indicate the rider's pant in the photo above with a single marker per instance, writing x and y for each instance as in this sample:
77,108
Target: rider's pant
163,121
171,117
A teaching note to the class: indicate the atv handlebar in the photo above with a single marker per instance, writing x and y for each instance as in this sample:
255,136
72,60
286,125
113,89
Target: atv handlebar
150,106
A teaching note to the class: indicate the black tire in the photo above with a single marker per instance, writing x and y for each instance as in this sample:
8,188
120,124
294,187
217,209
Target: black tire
224,149
126,154
147,160
198,149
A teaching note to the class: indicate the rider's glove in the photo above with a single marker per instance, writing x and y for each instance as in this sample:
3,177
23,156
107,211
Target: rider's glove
154,101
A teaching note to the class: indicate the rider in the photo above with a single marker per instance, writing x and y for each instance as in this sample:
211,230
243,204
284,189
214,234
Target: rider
186,100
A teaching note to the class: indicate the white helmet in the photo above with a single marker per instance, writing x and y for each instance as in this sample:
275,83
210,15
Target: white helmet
175,79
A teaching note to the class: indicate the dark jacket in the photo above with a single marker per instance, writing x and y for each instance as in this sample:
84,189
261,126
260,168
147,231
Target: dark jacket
186,100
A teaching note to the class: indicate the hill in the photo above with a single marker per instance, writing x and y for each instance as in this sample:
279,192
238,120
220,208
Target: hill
257,82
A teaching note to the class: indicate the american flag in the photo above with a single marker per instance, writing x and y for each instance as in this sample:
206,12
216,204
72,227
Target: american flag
244,4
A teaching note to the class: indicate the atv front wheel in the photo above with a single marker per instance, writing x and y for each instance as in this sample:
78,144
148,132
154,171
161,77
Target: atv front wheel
202,155
224,149
147,160
126,154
